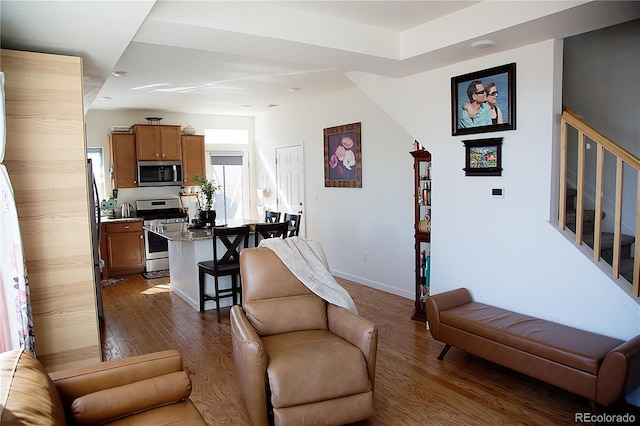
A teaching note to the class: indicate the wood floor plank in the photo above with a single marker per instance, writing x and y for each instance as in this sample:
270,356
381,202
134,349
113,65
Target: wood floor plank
412,387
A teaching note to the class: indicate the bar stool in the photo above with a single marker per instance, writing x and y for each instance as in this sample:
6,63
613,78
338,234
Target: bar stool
270,230
294,224
225,263
271,217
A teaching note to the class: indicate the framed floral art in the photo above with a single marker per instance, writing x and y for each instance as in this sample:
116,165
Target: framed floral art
342,156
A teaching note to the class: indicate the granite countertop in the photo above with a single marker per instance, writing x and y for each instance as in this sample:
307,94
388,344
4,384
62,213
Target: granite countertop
185,234
197,234
112,219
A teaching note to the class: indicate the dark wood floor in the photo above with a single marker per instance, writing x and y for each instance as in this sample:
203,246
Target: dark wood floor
412,386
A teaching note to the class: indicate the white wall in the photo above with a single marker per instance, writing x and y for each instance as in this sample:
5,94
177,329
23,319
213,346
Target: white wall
376,219
600,90
503,249
98,123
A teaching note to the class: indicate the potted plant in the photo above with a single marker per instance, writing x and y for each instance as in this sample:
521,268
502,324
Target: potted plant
206,196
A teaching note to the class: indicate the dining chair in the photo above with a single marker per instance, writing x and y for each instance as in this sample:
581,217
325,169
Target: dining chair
225,262
270,230
271,217
294,224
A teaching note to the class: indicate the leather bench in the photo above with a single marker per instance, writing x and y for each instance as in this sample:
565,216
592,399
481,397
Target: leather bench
600,368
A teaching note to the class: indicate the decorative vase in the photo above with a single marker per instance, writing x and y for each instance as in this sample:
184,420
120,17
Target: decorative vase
207,218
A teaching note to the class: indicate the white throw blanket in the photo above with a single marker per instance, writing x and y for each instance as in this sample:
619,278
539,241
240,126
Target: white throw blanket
306,260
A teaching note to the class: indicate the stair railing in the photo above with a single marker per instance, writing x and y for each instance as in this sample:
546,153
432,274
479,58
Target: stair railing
622,156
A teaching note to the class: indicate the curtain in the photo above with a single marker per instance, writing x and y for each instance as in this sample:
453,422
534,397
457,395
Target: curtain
16,321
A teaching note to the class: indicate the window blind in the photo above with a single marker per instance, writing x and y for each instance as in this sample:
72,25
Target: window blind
226,160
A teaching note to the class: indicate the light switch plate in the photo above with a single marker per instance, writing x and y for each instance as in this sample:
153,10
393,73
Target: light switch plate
497,192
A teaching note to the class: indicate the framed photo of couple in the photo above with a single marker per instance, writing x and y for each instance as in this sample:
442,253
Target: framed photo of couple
484,101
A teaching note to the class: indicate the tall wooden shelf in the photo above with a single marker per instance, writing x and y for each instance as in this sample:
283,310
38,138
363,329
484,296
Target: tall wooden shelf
422,230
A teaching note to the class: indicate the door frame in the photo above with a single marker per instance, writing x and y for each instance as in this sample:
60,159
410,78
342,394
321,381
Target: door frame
301,183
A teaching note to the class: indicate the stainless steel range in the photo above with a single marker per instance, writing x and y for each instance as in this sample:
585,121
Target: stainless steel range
164,215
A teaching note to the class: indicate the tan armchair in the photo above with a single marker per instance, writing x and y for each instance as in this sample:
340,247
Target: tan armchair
299,359
148,389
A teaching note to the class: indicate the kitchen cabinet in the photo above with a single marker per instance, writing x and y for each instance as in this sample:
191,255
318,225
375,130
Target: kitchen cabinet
122,248
422,230
123,160
157,143
193,158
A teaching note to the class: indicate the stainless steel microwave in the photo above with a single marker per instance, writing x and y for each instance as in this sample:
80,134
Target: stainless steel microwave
159,173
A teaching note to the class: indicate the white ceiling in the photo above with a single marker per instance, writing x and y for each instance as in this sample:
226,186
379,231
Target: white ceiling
243,57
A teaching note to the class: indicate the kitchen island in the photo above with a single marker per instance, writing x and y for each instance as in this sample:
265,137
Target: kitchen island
189,246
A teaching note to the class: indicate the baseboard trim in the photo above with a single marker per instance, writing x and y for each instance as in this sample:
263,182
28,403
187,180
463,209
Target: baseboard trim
373,284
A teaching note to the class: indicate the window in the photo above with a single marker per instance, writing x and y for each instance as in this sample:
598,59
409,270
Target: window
97,162
230,171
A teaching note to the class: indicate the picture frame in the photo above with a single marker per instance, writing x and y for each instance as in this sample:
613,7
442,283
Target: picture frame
343,156
466,119
483,157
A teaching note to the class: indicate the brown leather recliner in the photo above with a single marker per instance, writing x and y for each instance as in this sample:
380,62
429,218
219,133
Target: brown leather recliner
299,359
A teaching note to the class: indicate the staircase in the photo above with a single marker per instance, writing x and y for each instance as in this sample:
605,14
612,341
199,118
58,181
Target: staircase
613,247
606,238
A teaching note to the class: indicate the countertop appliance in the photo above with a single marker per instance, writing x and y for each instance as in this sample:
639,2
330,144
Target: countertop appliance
159,173
127,210
161,214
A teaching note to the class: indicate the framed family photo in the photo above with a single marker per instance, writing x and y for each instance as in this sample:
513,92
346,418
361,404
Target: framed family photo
343,156
483,157
484,101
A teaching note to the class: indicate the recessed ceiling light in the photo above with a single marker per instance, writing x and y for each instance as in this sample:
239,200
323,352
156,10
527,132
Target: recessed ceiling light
120,73
293,89
245,106
272,105
105,98
483,44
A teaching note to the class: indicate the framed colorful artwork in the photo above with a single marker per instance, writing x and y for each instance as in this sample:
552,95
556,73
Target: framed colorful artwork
484,101
483,157
343,156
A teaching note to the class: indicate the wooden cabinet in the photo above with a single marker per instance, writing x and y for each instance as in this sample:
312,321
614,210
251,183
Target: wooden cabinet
123,160
157,143
422,228
122,248
193,158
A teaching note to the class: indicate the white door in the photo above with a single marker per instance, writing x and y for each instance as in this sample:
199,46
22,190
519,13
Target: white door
290,180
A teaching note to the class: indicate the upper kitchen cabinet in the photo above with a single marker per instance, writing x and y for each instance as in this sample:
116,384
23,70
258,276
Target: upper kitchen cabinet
192,158
157,143
123,160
